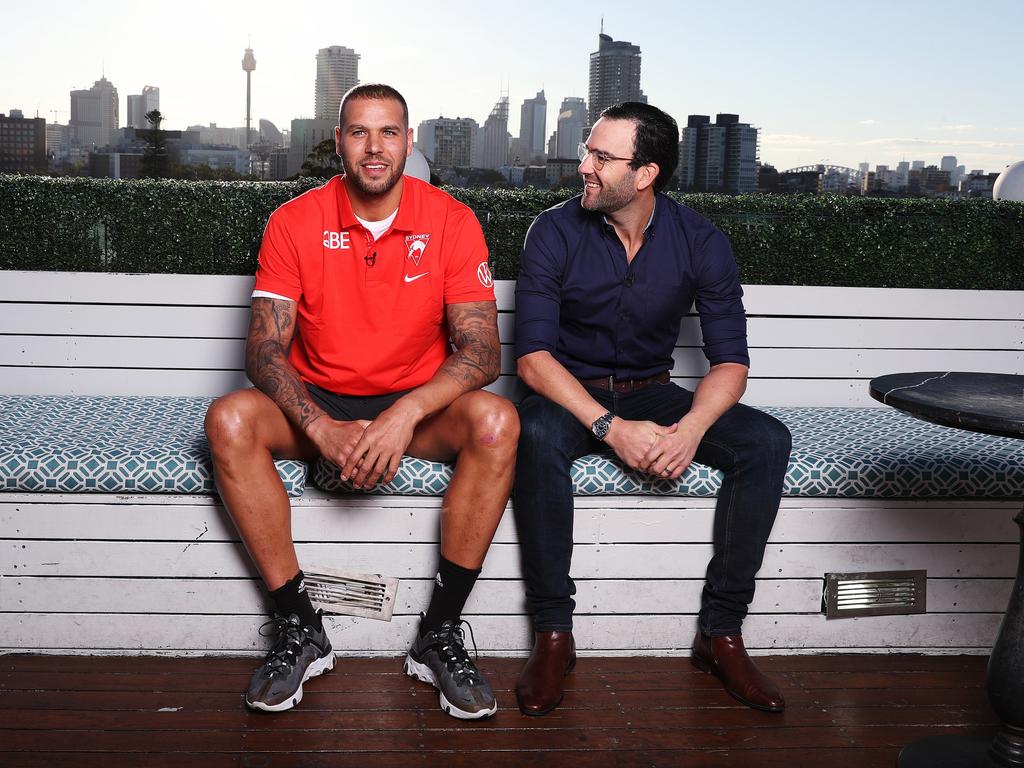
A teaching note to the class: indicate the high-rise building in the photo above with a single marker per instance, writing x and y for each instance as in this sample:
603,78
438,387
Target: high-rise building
902,174
614,75
305,135
719,156
495,136
22,143
141,103
58,139
572,119
94,114
337,70
447,141
935,181
956,172
532,128
740,155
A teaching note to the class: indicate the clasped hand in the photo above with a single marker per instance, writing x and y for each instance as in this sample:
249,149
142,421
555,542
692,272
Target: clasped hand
663,452
368,452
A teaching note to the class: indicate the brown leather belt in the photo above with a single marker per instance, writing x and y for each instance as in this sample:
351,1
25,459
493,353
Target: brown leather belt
625,385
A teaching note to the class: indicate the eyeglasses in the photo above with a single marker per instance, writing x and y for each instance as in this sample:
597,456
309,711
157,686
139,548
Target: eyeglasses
597,157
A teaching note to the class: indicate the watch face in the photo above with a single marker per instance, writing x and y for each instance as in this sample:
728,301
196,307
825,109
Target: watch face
601,426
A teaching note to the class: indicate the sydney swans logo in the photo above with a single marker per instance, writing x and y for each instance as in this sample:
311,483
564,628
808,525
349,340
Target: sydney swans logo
416,244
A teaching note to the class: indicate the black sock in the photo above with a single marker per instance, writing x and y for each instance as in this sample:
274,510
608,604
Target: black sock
452,586
292,598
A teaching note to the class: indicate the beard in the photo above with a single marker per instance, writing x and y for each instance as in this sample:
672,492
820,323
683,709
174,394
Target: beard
608,199
373,187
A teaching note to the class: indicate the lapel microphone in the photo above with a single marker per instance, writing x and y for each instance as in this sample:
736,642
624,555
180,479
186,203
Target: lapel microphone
370,259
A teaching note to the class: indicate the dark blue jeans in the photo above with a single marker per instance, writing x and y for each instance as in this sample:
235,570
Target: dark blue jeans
750,447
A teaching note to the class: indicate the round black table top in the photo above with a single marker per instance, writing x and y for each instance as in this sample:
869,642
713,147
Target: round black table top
992,403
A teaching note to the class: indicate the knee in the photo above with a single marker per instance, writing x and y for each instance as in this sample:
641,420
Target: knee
764,440
493,424
228,424
772,441
778,437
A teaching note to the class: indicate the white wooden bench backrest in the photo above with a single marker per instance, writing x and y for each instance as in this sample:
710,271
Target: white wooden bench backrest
89,333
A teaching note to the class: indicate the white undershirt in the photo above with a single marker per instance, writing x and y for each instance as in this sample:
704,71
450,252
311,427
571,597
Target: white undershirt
375,228
378,228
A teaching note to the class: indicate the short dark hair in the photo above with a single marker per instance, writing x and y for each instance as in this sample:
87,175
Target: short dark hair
656,139
372,91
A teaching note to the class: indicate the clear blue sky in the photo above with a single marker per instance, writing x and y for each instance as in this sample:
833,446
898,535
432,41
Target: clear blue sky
873,80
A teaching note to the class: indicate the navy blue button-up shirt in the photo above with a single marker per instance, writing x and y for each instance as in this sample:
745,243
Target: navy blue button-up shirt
578,298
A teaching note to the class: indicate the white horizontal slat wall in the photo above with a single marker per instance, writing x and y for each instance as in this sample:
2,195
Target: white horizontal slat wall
147,565
140,574
85,333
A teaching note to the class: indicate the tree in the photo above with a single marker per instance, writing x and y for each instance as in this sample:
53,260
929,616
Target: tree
323,162
155,160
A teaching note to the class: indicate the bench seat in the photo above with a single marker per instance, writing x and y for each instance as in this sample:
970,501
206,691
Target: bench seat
96,444
156,445
841,452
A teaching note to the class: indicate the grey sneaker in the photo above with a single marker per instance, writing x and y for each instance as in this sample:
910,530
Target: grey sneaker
298,654
440,658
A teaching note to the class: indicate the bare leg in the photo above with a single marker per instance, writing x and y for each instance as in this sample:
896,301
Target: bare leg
247,431
481,430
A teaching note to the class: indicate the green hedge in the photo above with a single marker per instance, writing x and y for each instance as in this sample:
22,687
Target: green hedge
214,228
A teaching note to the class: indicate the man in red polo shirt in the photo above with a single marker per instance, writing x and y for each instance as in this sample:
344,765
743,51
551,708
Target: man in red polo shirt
361,284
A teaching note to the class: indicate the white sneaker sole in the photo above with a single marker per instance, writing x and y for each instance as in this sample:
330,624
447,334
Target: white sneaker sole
423,673
317,668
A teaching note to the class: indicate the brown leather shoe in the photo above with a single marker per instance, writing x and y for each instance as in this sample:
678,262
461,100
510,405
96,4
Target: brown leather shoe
541,684
727,659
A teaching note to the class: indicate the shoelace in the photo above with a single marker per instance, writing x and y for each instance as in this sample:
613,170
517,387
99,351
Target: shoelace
451,640
283,655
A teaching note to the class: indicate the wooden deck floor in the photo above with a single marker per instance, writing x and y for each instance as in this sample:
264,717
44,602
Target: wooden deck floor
844,711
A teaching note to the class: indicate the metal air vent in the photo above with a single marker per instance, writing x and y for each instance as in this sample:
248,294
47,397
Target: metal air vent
369,595
880,593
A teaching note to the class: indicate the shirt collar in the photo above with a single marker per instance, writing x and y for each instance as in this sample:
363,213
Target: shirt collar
406,213
648,229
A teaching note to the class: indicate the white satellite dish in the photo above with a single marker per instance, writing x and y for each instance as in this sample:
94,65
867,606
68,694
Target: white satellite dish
1010,183
416,165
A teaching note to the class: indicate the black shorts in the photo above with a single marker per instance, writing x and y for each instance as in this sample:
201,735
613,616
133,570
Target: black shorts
352,407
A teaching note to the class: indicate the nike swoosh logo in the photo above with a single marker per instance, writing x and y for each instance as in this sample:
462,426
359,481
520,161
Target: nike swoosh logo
415,277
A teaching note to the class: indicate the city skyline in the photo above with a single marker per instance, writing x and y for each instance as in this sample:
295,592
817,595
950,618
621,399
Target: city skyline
841,85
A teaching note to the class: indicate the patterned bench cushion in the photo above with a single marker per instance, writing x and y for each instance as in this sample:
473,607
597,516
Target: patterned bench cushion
112,445
853,452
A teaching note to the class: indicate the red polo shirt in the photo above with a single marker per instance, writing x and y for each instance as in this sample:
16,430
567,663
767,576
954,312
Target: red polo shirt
371,315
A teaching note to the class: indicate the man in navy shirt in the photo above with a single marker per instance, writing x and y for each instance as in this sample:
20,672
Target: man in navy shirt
604,281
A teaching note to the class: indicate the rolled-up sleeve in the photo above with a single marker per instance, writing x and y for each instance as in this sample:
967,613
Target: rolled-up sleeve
538,288
719,302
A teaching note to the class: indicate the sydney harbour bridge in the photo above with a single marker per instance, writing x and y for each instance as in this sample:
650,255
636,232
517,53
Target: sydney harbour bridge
834,178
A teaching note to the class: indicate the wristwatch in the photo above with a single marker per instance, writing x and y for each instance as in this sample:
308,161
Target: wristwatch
601,425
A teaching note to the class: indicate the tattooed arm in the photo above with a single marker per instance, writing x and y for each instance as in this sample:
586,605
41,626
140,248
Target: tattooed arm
271,327
477,358
474,364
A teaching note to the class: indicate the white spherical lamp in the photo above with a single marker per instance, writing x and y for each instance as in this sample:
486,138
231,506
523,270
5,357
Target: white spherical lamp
416,165
1010,184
